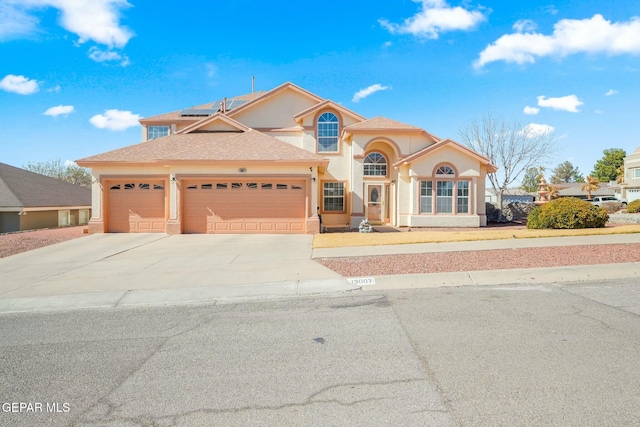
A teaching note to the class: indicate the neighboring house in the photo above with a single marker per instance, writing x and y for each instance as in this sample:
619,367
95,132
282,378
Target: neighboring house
277,162
574,189
30,201
630,188
510,195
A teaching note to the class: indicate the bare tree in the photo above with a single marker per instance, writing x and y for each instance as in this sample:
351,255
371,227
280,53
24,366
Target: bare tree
64,171
510,146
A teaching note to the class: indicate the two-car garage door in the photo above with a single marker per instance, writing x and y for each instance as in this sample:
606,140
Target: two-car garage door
266,205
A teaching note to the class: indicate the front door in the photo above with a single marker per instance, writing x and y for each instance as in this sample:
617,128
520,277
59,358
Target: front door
374,202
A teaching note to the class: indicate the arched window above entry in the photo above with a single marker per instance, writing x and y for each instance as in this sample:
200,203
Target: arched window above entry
445,170
327,132
375,164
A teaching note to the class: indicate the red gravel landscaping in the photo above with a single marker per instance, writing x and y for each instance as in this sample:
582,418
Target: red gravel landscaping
14,243
500,259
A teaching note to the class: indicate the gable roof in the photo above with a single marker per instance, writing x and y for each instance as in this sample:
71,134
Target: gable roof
22,188
250,146
447,143
382,123
211,119
271,93
327,104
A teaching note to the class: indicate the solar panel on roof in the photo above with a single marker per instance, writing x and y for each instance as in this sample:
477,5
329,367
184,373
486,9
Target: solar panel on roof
235,103
217,106
198,112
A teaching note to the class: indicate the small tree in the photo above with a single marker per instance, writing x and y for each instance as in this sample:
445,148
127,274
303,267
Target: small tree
64,171
606,169
531,180
565,172
510,146
591,184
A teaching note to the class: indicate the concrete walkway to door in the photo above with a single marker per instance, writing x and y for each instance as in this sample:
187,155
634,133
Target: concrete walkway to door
125,265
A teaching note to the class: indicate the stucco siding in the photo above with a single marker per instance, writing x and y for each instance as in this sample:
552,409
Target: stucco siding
464,165
293,138
278,112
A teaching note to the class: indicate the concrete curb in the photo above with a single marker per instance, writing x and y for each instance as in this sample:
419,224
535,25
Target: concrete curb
210,294
503,277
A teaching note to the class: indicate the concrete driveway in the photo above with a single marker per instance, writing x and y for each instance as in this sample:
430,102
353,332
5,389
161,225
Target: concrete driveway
122,262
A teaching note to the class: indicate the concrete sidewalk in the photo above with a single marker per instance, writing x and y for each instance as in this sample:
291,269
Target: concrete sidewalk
152,269
494,277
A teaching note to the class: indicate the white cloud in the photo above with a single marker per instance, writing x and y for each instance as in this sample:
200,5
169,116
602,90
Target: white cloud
108,56
435,17
60,110
534,129
570,36
611,92
90,20
115,120
531,110
55,89
568,103
19,84
15,22
363,93
212,69
524,26
599,112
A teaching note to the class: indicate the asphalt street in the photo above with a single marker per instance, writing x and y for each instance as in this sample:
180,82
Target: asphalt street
526,355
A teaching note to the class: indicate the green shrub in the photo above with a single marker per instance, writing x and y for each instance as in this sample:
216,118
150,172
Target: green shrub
567,212
633,207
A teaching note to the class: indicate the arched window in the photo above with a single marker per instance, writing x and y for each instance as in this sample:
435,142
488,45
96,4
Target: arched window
375,164
445,193
328,133
445,170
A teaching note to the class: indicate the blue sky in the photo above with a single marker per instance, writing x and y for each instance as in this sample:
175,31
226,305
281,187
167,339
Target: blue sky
76,76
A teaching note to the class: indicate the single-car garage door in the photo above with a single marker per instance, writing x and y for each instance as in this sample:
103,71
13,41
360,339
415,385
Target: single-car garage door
136,207
266,205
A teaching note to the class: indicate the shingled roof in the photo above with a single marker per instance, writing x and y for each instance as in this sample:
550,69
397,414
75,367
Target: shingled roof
224,146
20,188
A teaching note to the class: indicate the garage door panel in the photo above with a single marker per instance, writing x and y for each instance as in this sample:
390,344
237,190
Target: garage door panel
136,206
248,206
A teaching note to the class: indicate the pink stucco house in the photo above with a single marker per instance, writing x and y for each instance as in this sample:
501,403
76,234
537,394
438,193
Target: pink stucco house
277,162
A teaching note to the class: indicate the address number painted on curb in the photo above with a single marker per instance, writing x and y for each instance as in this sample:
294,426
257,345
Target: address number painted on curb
362,281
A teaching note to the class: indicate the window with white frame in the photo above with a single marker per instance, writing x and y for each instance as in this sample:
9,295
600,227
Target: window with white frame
463,197
635,173
452,195
426,196
333,197
157,132
375,164
327,133
444,196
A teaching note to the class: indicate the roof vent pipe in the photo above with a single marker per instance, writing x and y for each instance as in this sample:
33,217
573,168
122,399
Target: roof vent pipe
253,84
224,105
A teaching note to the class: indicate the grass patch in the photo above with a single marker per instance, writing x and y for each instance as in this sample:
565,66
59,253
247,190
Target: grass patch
338,240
